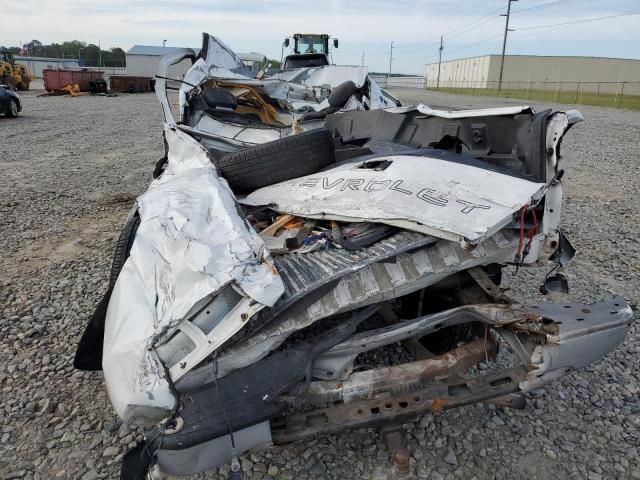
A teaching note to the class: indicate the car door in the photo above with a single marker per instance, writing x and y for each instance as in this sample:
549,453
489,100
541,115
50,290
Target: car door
4,100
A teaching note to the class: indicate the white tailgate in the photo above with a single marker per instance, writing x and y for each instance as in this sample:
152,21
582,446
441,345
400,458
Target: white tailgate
449,200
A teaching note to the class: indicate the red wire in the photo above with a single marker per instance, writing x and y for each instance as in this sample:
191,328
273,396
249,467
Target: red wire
535,223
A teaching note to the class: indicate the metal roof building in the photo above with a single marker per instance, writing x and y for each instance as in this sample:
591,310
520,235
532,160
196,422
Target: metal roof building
534,71
36,65
143,60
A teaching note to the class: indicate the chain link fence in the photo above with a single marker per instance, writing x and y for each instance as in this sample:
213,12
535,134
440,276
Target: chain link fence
400,81
606,94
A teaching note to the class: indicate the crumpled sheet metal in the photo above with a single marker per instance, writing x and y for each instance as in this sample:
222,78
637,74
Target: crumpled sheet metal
448,200
191,242
477,112
382,281
331,75
295,86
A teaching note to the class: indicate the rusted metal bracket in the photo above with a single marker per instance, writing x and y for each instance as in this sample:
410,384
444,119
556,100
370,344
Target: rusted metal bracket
486,284
398,378
399,408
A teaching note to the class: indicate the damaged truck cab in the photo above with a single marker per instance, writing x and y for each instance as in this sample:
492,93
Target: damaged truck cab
303,222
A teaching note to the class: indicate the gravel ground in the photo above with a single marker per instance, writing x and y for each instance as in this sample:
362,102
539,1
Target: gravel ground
72,167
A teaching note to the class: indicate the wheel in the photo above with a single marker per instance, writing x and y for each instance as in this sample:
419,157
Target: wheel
277,161
12,111
123,247
89,352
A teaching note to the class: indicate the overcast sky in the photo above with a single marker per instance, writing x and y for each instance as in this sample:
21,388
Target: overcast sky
470,27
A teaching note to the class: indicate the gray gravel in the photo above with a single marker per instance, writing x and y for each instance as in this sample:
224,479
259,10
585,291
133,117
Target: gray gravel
71,167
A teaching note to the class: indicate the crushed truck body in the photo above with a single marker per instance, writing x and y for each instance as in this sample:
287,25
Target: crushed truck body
272,258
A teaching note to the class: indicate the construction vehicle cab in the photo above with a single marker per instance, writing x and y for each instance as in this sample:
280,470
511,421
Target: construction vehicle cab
309,50
14,75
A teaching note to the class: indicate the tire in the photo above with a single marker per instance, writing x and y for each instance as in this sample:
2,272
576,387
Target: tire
277,161
88,355
12,110
123,247
341,94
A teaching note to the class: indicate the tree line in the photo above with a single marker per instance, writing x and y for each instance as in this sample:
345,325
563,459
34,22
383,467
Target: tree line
88,54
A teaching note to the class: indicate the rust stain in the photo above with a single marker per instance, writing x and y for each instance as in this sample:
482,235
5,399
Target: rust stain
437,404
532,317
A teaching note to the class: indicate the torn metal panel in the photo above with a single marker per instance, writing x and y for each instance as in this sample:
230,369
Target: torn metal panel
375,283
337,362
327,76
441,198
298,90
249,396
216,53
191,242
572,346
545,244
167,61
576,335
308,275
478,112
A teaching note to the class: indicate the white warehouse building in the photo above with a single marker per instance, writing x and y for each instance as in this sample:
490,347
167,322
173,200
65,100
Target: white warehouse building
143,60
532,71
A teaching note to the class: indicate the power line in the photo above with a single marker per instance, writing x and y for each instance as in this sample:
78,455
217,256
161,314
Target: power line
419,57
493,17
457,31
628,14
429,56
490,14
358,52
476,43
536,7
449,37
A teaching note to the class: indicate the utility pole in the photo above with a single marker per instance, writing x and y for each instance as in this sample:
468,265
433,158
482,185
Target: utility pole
99,54
504,41
439,62
390,58
362,61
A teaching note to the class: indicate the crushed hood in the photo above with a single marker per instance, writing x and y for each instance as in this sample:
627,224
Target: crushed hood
301,87
449,200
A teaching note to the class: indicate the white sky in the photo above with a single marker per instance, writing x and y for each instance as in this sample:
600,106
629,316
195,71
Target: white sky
369,26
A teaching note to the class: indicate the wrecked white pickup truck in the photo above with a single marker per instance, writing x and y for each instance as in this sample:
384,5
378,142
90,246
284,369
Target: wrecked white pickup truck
255,281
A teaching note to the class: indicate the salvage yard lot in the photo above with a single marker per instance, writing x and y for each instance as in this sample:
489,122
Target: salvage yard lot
72,168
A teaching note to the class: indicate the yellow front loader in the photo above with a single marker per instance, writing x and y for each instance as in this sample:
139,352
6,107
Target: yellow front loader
15,75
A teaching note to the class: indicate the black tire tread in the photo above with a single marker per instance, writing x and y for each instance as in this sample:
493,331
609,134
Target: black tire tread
277,161
12,101
123,247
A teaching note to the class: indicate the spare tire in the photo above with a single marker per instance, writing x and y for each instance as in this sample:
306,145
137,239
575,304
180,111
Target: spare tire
341,94
277,161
